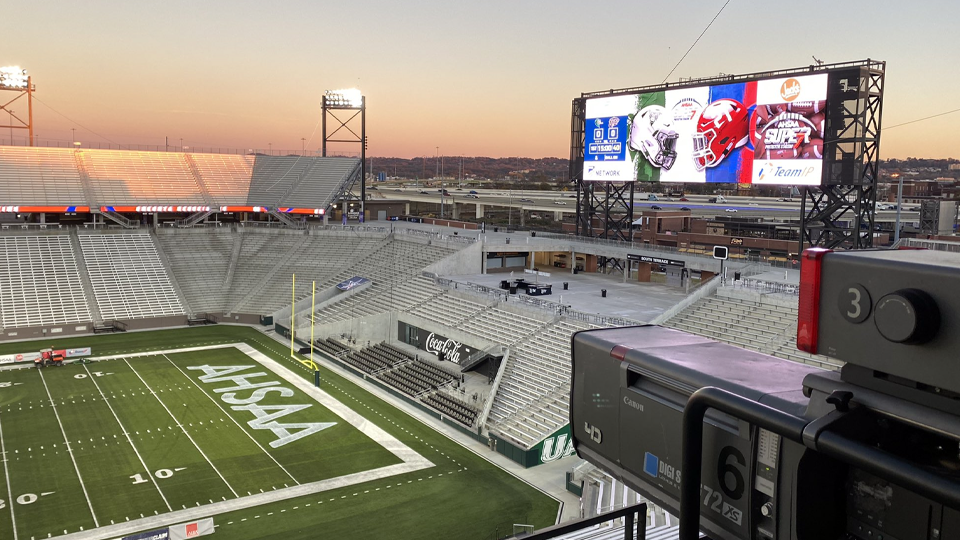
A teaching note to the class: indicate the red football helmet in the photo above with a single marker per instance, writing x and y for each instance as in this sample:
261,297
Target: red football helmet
723,126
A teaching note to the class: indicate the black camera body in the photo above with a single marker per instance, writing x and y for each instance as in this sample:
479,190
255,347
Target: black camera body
789,451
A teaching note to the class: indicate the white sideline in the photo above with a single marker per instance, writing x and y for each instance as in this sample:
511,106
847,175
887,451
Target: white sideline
228,415
3,455
96,523
129,440
183,429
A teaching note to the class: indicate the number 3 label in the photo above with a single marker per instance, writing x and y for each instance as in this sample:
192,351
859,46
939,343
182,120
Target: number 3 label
854,303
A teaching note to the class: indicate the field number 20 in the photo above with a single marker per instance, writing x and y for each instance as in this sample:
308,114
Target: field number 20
159,473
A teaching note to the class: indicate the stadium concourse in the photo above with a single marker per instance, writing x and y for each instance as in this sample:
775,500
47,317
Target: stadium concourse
428,326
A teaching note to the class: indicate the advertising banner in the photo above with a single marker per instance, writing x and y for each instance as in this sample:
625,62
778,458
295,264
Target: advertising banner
757,132
355,281
76,353
192,529
444,347
159,534
655,260
19,357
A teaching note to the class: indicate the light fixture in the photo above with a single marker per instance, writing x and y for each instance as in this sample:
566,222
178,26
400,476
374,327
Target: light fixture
13,77
349,97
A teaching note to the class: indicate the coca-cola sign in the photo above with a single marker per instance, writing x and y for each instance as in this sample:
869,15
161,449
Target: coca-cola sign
445,348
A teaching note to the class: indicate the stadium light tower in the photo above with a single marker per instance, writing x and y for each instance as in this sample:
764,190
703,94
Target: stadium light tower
15,79
346,131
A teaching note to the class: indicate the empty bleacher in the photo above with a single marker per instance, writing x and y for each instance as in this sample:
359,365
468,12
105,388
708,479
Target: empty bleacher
751,323
320,182
128,278
532,400
448,310
119,177
39,176
226,177
462,412
40,282
199,260
274,176
394,269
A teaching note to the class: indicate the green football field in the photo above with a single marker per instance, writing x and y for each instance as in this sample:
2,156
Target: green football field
155,434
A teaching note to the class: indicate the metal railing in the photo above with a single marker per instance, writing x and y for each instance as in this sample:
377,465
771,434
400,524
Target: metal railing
545,306
54,143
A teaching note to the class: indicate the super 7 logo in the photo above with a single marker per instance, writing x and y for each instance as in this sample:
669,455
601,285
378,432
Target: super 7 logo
266,415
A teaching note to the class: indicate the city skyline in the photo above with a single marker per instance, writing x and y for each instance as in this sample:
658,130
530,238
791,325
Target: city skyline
476,80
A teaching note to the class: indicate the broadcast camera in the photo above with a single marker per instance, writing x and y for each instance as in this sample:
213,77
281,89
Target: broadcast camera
745,446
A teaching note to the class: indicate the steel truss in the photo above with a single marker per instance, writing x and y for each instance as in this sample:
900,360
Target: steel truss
346,128
840,213
604,209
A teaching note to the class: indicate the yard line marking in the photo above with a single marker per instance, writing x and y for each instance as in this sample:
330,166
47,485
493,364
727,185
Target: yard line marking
86,496
3,452
127,433
182,429
215,402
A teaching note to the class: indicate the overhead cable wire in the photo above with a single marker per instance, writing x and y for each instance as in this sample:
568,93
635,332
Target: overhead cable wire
695,42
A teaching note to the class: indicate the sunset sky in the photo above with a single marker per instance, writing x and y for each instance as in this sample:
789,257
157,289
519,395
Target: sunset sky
490,78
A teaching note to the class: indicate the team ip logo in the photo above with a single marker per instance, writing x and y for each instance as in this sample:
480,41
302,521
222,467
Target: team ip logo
770,171
790,89
598,122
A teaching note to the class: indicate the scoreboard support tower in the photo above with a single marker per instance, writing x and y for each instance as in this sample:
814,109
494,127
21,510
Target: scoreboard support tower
840,213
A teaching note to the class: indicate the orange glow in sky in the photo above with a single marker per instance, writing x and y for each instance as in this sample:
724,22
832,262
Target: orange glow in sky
489,78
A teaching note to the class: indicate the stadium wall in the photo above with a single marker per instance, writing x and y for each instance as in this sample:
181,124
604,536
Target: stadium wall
373,328
468,260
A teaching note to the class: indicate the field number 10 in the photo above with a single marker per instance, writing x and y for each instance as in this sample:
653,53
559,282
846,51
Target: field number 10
160,473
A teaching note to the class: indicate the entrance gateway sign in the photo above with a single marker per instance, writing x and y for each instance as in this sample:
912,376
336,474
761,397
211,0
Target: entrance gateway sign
655,260
266,416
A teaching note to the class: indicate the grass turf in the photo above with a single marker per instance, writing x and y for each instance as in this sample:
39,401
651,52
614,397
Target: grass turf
462,496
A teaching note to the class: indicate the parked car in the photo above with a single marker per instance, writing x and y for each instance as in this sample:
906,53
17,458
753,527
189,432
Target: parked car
685,208
656,207
474,196
730,210
473,192
684,199
422,192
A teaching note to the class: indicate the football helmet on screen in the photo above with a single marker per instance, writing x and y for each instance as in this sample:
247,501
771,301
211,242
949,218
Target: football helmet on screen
723,126
651,133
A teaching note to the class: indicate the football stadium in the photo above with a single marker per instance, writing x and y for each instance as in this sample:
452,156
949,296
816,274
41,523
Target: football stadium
413,385
252,345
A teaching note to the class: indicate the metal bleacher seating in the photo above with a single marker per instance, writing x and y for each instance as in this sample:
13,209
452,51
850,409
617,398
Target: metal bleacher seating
448,310
274,176
394,269
320,182
766,327
61,176
39,176
462,412
226,177
140,178
129,280
199,260
40,282
533,398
